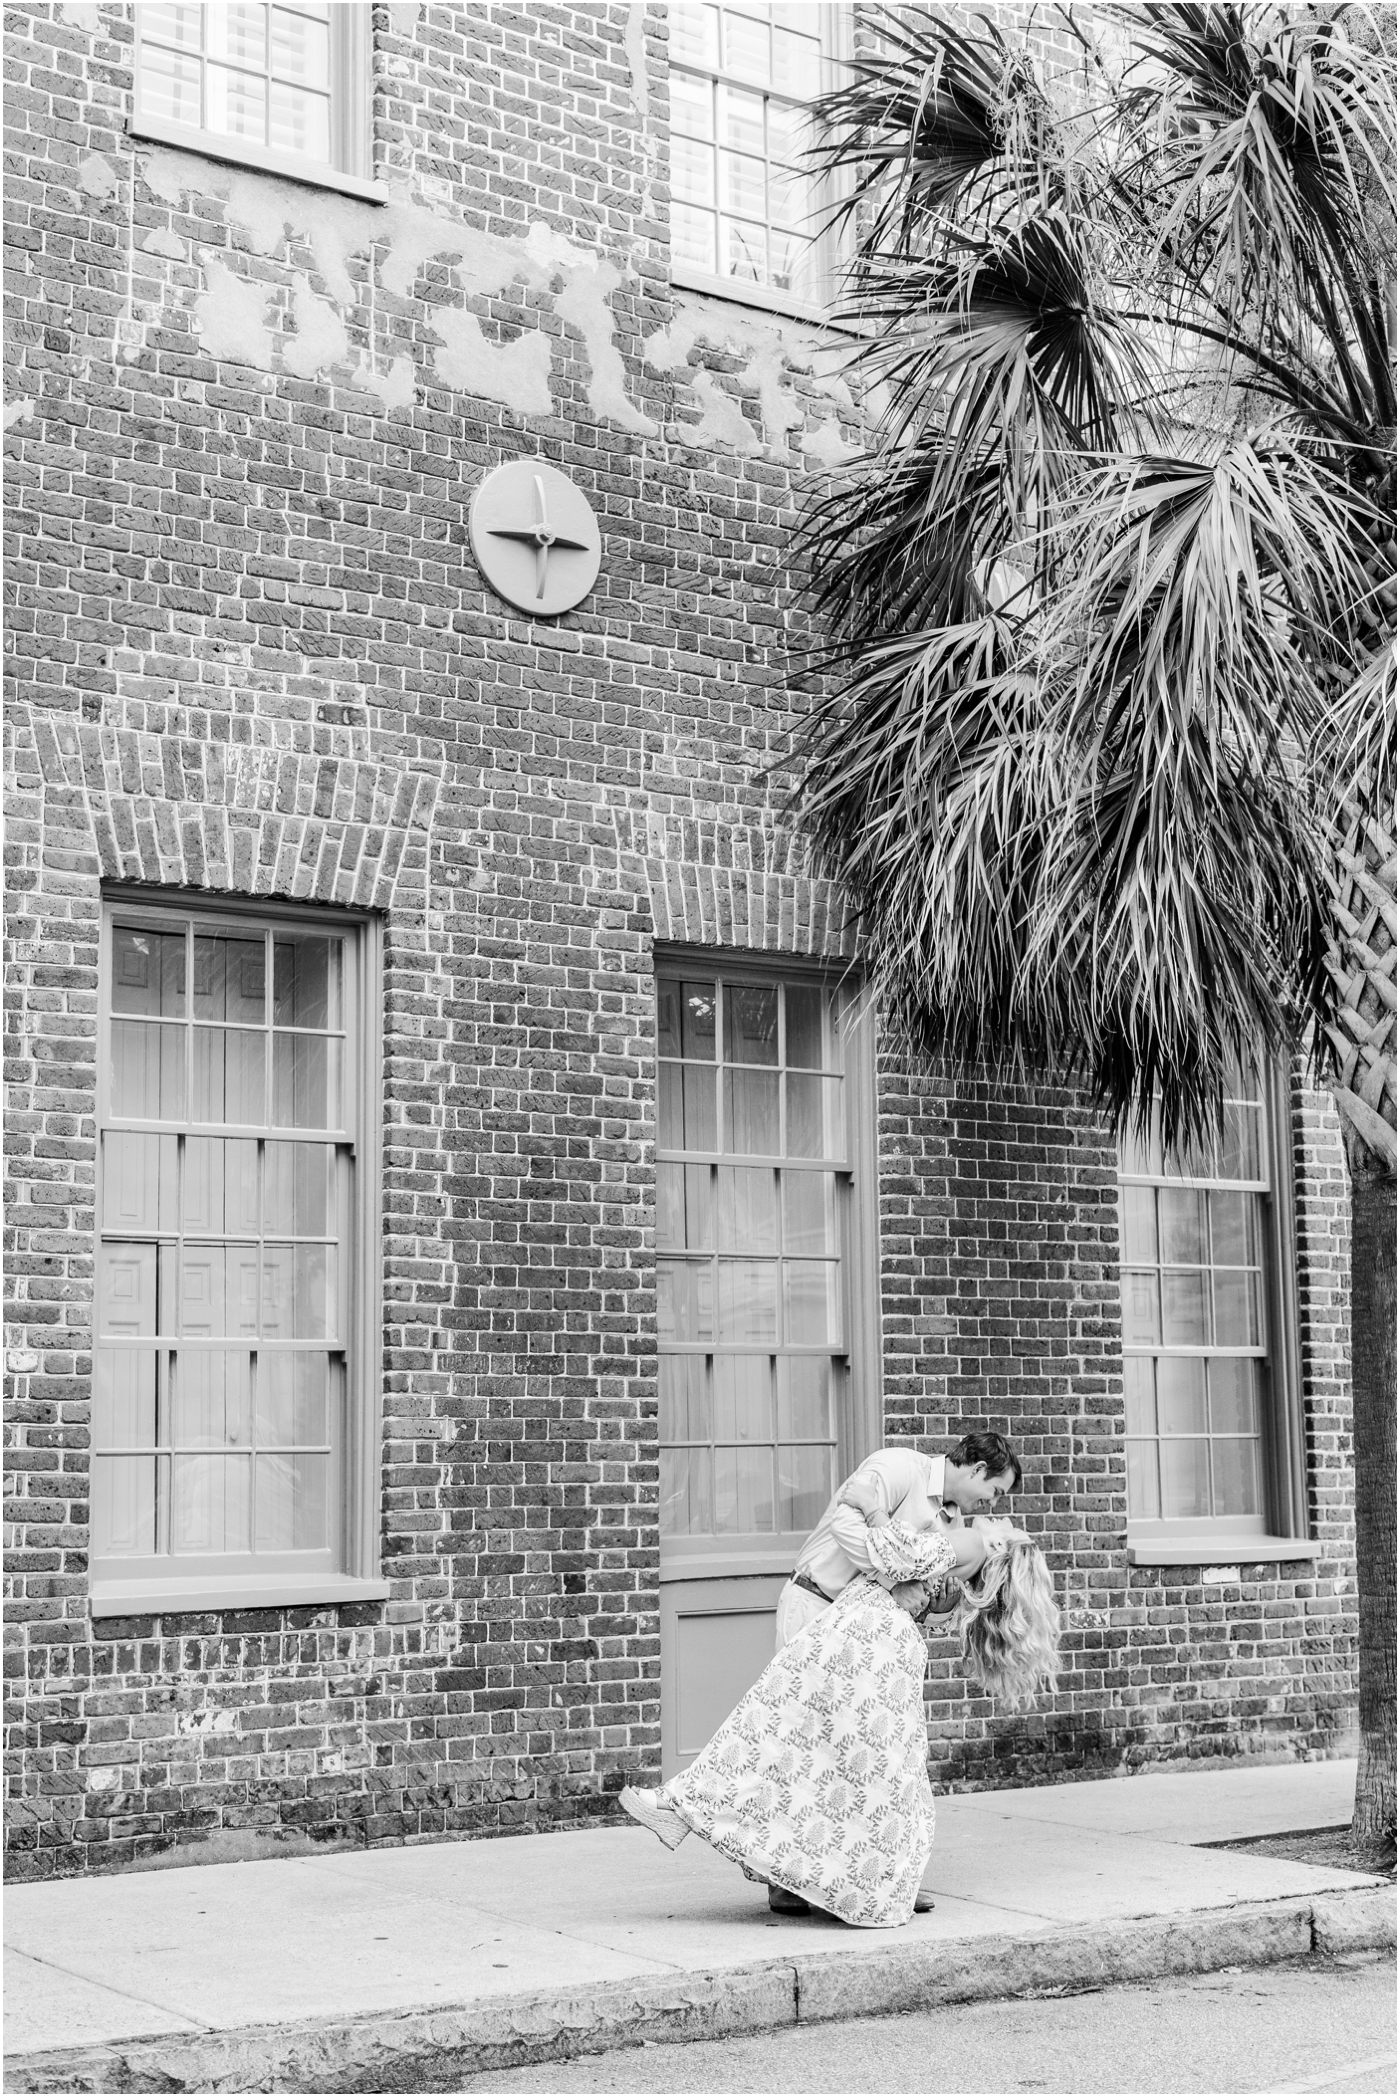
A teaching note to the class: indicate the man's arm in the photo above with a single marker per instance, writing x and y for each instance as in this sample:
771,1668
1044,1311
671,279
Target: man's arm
873,1492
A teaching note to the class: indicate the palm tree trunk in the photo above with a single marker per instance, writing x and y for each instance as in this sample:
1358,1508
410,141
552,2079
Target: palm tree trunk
1373,1308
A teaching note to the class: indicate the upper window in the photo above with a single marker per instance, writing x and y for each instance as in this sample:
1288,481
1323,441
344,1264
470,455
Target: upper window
276,87
231,1357
1206,1260
745,211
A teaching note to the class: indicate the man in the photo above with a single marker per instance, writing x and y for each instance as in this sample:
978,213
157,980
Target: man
924,1492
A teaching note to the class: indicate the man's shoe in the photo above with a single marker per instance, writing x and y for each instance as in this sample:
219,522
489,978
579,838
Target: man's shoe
649,1812
923,1902
784,1903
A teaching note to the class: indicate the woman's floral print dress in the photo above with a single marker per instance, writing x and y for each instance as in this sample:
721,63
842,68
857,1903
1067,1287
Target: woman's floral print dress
818,1780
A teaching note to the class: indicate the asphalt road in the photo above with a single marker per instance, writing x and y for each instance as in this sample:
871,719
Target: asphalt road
1317,2027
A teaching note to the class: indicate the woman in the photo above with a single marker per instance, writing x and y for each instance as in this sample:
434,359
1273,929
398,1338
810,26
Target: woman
818,1780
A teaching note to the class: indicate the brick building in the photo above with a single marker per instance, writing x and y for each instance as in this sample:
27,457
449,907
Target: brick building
461,1213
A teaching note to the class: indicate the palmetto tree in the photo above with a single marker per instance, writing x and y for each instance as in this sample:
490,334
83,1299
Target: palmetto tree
1108,761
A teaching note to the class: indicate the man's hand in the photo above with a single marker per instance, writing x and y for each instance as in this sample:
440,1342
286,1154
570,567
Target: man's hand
863,1494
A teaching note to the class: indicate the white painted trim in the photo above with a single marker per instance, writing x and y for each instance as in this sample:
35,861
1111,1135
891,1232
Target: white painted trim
271,1591
1222,1550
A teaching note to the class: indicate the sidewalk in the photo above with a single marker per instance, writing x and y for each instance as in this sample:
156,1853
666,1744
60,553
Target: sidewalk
320,1972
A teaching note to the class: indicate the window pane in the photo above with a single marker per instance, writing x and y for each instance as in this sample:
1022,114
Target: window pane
751,1112
797,62
1181,1395
748,1301
694,34
147,1071
809,1212
804,1399
229,979
236,103
124,1506
813,1303
1232,1396
1185,1479
668,1017
230,1084
792,262
173,25
293,1405
750,1024
693,171
743,1387
692,109
1242,1147
805,1021
694,237
791,198
306,981
238,33
301,122
1234,1239
220,1190
686,1107
148,973
687,1492
211,1399
1235,1476
138,1182
743,188
1185,1310
124,1398
1138,1217
1139,1404
1144,1498
305,1081
685,1412
748,1209
1182,1221
299,1196
210,1503
698,1022
741,121
293,1503
685,1294
126,1290
1237,1322
219,1291
745,252
744,1491
815,1119
806,1481
300,48
1141,1319
298,1292
171,84
747,47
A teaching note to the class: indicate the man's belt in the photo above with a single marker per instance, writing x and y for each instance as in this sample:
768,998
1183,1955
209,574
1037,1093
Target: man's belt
802,1580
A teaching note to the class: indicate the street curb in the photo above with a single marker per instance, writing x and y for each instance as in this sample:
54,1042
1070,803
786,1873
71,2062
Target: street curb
355,2054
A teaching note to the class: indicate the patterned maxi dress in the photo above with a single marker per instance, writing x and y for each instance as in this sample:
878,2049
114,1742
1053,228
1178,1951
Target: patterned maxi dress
818,1779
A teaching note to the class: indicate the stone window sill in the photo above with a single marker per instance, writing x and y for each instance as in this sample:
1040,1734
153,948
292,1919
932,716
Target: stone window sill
271,1591
237,153
1220,1550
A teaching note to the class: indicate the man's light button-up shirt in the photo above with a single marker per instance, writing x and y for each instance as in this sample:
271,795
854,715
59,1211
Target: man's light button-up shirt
908,1485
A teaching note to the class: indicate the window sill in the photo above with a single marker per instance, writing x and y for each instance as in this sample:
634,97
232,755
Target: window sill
1221,1550
766,297
268,1591
261,159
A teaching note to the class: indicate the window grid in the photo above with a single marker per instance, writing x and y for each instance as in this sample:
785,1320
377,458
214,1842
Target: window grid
751,1321
742,203
220,1370
256,74
1193,1234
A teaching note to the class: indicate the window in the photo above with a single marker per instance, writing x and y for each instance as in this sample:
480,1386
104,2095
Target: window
745,212
283,88
235,1303
753,1231
1209,1339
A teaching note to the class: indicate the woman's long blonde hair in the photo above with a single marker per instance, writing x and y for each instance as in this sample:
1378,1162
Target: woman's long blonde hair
1011,1626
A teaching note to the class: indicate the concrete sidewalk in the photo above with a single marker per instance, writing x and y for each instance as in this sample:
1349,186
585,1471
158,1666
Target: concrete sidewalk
326,1972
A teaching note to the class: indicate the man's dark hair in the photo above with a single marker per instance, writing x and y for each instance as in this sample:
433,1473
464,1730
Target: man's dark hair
994,1451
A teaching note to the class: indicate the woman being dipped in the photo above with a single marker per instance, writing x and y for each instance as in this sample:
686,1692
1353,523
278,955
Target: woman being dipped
818,1780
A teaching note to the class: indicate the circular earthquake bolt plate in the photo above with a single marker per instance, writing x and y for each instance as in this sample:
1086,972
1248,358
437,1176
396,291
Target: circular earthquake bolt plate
535,538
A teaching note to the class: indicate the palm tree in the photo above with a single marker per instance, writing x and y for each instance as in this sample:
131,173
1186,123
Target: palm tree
1106,754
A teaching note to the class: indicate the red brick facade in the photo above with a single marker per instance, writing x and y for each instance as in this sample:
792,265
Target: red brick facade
250,653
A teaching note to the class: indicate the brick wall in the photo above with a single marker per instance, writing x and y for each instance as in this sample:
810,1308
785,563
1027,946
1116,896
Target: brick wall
249,652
